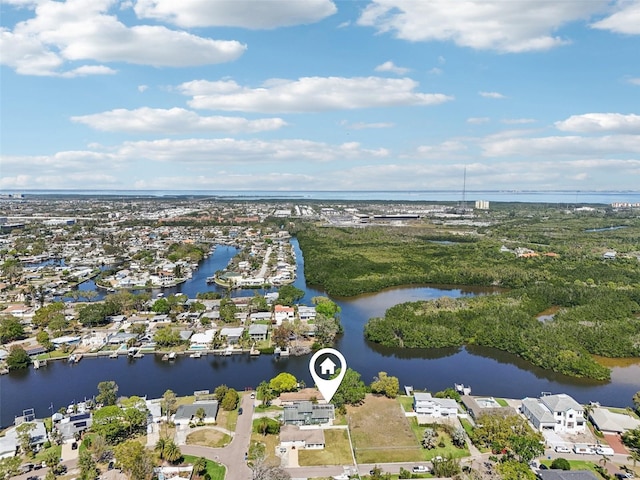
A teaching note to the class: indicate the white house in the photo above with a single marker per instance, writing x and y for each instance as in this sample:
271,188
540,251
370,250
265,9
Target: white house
560,413
283,313
231,334
295,437
425,404
306,313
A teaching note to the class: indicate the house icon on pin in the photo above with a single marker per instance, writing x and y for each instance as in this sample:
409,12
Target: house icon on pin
327,367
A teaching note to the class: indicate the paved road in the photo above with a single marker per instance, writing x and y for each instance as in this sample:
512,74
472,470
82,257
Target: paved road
232,456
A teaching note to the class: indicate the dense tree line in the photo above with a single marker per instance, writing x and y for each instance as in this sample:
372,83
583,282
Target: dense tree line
590,320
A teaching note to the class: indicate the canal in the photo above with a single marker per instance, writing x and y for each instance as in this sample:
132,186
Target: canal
487,371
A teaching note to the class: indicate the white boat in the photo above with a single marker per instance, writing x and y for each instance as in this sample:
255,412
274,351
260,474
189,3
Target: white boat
195,355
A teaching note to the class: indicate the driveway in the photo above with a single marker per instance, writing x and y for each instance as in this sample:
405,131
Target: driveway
232,456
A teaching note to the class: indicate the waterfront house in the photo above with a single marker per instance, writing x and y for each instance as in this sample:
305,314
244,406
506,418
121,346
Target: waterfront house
303,395
613,423
477,406
425,404
232,334
308,413
560,413
186,414
9,442
258,332
306,313
74,424
292,436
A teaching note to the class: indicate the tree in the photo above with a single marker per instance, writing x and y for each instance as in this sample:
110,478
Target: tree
220,391
636,401
200,414
107,393
167,337
99,448
288,295
446,467
280,336
88,468
9,466
23,432
326,330
200,465
45,314
169,402
560,464
283,382
10,329
459,437
160,446
352,390
261,470
58,324
17,358
228,310
634,457
326,306
134,460
511,470
43,339
526,447
11,268
429,438
230,400
386,385
265,393
171,452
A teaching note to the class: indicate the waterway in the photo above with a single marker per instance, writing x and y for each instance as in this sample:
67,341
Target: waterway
487,371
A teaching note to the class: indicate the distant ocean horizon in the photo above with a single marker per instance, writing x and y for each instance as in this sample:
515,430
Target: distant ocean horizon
524,196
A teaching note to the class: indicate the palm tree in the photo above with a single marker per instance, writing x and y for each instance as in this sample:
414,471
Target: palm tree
634,457
603,461
200,414
200,465
161,444
172,453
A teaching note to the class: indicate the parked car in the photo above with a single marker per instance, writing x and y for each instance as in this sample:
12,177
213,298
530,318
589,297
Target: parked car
562,449
240,411
420,469
604,450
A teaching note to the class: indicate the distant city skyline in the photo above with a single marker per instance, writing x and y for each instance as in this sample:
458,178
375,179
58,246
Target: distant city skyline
313,95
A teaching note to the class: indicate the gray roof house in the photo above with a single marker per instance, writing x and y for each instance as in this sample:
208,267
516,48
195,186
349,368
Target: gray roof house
258,332
187,413
232,334
560,413
610,422
566,475
292,436
308,413
76,423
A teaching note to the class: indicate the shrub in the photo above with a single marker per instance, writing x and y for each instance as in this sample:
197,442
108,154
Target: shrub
561,464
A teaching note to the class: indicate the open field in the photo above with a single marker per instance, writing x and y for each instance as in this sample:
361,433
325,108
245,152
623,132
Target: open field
381,433
336,452
215,470
447,450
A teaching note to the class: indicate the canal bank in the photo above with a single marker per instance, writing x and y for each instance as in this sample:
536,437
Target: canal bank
488,371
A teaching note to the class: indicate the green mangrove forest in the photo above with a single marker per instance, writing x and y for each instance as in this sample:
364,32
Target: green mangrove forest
562,299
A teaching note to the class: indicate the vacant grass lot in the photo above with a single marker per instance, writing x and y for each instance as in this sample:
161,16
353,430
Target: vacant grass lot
448,450
270,443
406,402
208,437
337,451
381,433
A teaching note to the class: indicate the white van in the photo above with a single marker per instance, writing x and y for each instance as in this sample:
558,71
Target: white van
602,450
562,449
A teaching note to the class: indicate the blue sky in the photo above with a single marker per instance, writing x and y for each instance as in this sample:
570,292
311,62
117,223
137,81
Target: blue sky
320,95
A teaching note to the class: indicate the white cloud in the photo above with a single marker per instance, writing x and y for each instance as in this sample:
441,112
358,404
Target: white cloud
445,150
88,70
634,81
517,121
560,146
77,30
389,66
143,88
435,71
309,94
625,20
364,126
491,95
173,121
250,14
525,25
601,122
478,120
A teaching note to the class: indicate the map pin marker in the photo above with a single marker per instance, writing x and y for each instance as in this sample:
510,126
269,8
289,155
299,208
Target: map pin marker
323,365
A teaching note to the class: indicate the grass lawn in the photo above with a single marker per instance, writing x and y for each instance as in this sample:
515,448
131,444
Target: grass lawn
228,420
336,452
270,442
208,438
577,465
381,433
406,402
42,454
502,402
448,450
215,470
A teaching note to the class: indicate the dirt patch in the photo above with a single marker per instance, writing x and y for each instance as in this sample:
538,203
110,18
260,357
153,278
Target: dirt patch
208,437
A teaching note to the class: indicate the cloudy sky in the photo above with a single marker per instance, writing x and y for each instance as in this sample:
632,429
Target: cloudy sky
320,94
